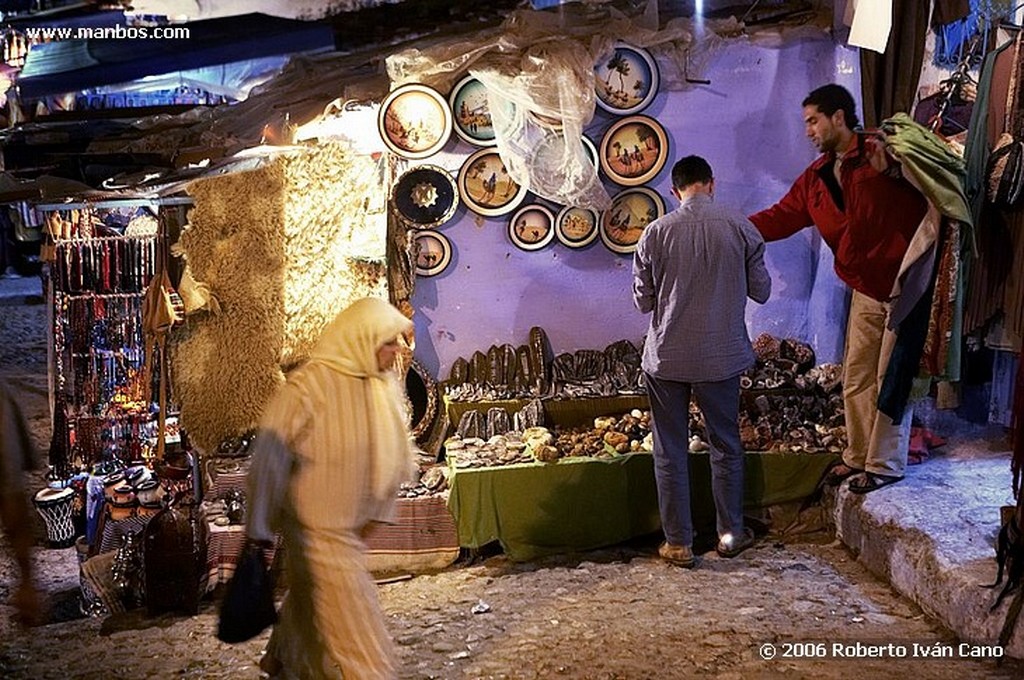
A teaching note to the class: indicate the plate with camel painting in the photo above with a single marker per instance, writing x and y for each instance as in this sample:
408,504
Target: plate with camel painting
632,210
415,121
634,150
532,227
486,187
576,227
433,252
627,81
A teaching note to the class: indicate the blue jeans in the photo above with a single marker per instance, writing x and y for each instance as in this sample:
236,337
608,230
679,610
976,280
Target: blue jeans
720,403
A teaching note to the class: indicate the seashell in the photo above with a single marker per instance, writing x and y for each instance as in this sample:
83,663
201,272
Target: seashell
434,478
546,454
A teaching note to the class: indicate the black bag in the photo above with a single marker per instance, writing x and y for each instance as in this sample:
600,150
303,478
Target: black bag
1006,172
248,605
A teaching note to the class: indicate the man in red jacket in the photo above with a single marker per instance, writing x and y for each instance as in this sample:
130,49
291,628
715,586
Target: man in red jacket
867,214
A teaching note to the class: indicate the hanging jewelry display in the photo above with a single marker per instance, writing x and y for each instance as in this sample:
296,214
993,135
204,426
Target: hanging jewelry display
98,276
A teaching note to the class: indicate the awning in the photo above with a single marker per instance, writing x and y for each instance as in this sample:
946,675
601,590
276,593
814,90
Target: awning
75,65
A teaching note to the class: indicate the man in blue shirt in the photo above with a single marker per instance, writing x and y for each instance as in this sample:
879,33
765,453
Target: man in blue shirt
694,270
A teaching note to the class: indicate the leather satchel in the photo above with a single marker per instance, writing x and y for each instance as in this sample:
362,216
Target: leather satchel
162,309
1006,172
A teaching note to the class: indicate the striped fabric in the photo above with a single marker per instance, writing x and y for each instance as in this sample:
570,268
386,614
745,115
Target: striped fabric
331,452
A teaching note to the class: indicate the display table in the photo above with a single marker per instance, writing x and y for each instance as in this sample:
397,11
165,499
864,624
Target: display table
537,509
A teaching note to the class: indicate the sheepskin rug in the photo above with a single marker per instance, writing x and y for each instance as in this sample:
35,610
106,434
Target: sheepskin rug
283,249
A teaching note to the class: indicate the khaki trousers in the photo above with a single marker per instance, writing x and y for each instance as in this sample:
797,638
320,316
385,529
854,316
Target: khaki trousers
876,444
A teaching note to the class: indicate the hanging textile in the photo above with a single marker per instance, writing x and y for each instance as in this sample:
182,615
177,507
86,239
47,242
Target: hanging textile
889,80
1018,423
988,270
955,29
872,22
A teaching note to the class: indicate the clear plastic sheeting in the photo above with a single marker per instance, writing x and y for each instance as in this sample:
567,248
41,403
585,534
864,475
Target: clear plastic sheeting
539,72
539,103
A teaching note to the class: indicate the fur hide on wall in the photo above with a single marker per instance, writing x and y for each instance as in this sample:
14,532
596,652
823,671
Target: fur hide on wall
283,248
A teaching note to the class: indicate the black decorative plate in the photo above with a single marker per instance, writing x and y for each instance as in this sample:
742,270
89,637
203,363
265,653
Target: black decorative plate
632,210
576,227
588,144
634,150
627,81
532,227
485,185
433,252
415,121
425,196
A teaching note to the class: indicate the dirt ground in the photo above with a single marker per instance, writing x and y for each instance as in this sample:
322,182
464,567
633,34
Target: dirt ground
800,607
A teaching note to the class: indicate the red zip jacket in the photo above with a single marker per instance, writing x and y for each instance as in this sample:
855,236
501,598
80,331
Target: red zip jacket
868,235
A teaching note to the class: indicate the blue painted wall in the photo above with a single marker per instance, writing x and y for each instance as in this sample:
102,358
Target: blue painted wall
748,124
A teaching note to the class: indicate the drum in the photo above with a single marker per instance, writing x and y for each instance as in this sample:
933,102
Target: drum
55,505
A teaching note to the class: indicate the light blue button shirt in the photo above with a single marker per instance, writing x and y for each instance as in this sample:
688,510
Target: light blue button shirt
693,270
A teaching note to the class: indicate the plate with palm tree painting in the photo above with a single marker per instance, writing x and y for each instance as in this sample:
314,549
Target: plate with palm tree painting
486,187
632,210
634,150
627,81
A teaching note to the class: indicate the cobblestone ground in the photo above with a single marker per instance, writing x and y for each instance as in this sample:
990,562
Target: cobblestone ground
616,613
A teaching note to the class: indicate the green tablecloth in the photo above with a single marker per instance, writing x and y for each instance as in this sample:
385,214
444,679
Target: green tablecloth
538,509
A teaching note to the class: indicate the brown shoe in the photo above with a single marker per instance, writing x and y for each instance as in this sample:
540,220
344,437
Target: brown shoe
679,555
735,545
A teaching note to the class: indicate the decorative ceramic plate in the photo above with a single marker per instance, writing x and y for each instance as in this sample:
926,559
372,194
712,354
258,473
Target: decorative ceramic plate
591,150
433,253
532,227
549,122
627,81
425,196
576,227
415,121
471,111
485,186
632,210
550,152
634,150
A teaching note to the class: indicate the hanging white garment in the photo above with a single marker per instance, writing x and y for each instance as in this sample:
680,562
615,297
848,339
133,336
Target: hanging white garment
872,23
